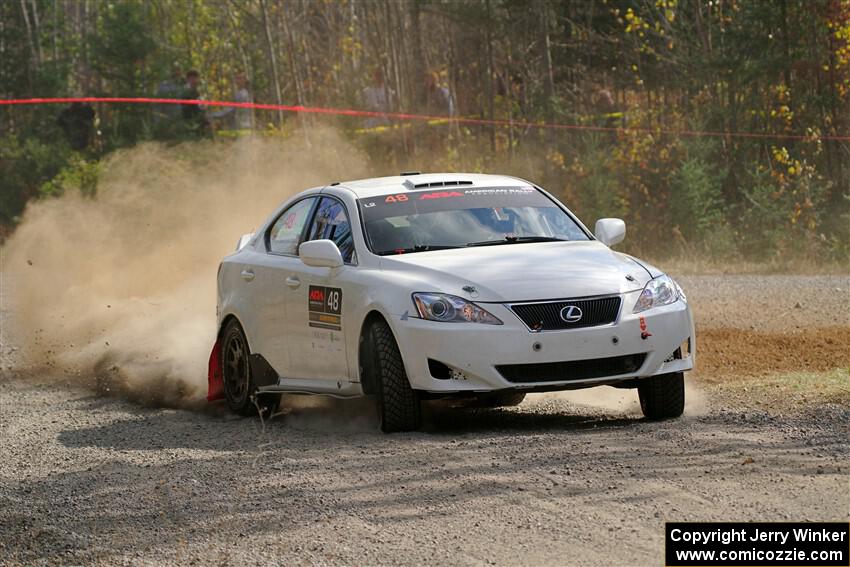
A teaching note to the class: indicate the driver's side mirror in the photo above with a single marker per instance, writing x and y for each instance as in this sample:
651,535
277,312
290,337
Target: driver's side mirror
610,231
320,254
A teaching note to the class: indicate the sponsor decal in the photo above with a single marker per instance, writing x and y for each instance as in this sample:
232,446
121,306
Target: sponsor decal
326,341
403,198
325,307
500,191
440,195
446,199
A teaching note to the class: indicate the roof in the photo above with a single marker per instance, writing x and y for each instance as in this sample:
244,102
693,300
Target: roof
364,188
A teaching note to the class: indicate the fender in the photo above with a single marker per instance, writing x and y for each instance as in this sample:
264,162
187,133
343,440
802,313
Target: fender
261,371
362,350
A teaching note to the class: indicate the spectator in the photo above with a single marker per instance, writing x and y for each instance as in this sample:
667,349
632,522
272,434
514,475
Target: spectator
434,100
238,118
169,88
438,99
608,116
194,116
77,122
377,99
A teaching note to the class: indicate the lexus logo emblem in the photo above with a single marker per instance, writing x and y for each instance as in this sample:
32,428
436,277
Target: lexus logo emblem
571,314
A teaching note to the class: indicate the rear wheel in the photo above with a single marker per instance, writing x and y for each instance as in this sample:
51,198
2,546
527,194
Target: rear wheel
662,397
399,408
240,391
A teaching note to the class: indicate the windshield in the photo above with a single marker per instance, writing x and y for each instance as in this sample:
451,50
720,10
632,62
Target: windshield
418,221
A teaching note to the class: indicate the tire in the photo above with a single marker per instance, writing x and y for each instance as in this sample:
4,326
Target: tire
662,397
498,400
240,391
399,408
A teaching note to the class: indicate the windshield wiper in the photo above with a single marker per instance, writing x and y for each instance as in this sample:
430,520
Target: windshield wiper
416,248
517,240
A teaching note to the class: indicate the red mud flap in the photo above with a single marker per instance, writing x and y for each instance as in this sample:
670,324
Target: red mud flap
216,381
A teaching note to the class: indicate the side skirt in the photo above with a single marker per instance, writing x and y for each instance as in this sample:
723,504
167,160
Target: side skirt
268,381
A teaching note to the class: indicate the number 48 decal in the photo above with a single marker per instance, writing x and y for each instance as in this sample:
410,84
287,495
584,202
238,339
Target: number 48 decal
325,299
325,307
333,297
396,198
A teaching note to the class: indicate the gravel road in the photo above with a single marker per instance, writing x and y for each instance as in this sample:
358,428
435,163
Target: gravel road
769,303
562,479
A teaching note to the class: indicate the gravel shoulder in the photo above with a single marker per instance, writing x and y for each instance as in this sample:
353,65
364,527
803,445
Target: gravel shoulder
562,479
785,304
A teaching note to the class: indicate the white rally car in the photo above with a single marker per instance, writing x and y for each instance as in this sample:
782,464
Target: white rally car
414,287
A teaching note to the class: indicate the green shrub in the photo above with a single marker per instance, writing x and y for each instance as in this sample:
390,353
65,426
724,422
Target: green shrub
77,174
697,208
24,167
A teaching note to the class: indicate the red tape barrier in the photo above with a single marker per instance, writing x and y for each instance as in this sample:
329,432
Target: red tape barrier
406,116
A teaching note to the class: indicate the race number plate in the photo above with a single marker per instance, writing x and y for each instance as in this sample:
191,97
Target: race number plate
325,307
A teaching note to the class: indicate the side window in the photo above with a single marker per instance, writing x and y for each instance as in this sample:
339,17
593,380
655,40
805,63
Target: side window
331,223
286,231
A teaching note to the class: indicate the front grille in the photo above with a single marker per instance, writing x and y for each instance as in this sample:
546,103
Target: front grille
572,369
547,316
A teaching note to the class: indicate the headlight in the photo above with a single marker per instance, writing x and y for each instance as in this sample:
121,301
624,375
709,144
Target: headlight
451,309
659,291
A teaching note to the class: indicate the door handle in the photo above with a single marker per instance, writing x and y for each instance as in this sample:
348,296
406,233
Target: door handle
293,282
247,275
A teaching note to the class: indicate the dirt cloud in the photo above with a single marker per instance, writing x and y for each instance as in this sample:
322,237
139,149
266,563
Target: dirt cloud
121,287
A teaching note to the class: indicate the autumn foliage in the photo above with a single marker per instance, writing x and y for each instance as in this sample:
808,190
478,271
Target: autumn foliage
672,90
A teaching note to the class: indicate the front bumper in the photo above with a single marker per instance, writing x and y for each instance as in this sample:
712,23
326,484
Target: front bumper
474,351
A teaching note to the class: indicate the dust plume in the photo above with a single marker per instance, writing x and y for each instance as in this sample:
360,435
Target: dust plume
324,413
611,400
120,288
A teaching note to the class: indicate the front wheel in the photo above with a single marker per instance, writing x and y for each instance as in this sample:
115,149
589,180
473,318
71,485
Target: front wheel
399,408
663,396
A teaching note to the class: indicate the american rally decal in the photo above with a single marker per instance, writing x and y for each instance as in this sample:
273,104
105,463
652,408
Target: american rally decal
325,306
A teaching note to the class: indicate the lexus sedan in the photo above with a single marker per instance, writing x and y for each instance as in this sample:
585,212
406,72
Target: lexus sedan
481,288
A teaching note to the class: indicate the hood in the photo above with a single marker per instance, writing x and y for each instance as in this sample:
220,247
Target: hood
521,272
